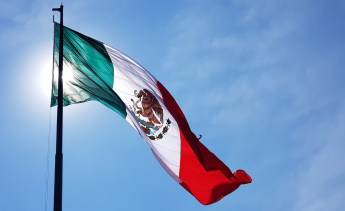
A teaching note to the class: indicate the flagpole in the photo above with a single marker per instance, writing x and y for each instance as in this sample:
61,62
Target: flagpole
58,155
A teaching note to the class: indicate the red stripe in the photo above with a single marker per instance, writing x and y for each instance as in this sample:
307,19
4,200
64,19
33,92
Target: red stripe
206,177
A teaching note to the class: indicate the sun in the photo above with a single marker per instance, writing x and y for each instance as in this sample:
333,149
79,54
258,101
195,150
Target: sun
67,73
46,76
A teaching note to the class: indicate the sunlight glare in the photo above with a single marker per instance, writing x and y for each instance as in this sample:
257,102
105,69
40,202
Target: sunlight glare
67,73
46,78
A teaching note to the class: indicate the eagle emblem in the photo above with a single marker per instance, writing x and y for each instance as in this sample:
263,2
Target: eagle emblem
149,113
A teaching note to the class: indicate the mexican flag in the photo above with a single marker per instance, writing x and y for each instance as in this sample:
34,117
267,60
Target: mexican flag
96,71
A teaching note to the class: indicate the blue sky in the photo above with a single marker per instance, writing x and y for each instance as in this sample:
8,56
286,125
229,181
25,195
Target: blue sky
262,81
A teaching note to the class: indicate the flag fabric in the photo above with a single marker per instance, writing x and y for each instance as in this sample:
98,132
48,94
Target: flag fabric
96,71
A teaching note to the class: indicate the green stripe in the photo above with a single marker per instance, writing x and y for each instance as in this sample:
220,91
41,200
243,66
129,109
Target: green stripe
92,69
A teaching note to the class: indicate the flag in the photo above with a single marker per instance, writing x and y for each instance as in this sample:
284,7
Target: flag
96,71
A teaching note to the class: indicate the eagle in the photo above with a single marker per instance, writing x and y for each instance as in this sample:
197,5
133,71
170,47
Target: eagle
150,103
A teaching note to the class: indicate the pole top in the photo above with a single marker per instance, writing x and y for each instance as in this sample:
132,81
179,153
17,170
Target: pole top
58,9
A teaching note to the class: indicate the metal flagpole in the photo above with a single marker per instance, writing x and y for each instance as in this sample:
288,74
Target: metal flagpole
58,155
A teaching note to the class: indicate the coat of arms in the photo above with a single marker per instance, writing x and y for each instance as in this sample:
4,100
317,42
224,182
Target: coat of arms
149,113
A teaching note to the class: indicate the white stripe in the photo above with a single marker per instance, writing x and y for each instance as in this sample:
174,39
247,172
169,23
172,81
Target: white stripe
130,76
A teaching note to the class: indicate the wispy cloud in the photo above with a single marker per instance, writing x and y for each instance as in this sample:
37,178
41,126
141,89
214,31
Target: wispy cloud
321,186
27,22
262,70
